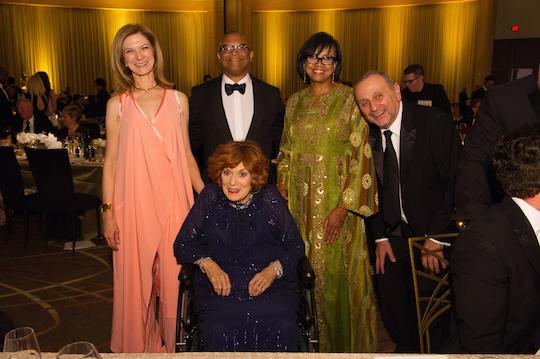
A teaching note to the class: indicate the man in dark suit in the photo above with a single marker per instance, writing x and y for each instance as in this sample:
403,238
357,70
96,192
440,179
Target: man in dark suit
415,149
423,93
234,106
28,121
5,111
504,108
496,259
489,81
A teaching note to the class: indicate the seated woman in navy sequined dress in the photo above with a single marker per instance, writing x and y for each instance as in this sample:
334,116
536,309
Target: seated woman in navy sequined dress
246,243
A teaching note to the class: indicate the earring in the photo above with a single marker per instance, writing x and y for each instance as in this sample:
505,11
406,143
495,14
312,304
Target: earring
305,77
333,76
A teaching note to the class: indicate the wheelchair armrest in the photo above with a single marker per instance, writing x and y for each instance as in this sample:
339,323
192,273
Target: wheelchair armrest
306,274
186,274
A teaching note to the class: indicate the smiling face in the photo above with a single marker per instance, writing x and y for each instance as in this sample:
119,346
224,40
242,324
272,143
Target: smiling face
320,73
235,63
236,183
378,101
138,54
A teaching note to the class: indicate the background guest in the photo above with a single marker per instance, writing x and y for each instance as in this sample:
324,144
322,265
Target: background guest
102,97
244,238
496,259
71,118
423,93
36,93
29,121
504,108
489,82
325,169
52,106
148,176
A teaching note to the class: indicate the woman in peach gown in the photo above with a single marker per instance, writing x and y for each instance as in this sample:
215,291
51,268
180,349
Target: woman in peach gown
148,176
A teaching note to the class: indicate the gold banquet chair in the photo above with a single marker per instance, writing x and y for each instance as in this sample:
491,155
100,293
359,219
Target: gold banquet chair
432,305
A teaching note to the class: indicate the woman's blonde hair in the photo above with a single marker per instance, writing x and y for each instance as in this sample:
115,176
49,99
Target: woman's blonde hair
123,77
34,85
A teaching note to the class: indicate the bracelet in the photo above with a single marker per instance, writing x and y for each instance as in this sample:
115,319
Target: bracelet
105,207
276,265
200,263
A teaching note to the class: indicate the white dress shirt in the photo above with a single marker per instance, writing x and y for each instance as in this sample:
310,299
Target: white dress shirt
238,107
532,214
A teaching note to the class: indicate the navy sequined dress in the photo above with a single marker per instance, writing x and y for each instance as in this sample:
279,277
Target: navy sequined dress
243,241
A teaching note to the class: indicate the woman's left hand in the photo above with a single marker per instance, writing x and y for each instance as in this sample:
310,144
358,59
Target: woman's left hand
261,281
333,224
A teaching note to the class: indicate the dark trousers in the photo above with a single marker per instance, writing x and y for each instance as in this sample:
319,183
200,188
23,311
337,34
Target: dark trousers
395,294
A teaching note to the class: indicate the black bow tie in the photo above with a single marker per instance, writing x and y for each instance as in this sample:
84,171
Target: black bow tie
229,89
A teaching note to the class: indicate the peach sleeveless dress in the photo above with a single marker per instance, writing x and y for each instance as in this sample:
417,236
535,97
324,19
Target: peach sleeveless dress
152,196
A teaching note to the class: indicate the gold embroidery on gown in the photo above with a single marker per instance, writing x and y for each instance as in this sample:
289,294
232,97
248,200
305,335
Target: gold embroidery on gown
325,162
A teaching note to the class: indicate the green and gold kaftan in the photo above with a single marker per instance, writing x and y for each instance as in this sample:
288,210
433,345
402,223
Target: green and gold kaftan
326,162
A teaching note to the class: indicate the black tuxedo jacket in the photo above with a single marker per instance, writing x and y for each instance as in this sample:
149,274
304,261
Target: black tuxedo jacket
41,124
428,155
496,284
504,108
5,110
208,125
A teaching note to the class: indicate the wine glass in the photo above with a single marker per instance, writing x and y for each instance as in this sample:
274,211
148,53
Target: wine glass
78,350
23,343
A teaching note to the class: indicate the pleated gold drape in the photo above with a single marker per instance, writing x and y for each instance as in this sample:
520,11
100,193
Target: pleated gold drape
73,45
440,37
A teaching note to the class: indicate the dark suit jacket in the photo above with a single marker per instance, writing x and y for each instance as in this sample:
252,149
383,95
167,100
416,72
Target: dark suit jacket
496,284
434,92
428,155
41,124
504,108
5,110
208,126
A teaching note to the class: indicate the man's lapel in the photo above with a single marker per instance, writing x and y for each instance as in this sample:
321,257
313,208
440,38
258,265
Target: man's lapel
375,142
219,111
524,233
258,110
407,140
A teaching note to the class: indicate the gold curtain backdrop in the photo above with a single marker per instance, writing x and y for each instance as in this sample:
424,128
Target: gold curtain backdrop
440,37
73,45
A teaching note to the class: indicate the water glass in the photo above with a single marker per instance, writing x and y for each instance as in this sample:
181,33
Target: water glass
78,350
22,342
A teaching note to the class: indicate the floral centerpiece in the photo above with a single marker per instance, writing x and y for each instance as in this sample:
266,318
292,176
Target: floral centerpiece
39,140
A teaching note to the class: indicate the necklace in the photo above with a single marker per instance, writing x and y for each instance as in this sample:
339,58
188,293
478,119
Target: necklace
238,205
146,90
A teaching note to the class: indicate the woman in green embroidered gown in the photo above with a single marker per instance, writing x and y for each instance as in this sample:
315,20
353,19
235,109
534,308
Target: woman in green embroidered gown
326,171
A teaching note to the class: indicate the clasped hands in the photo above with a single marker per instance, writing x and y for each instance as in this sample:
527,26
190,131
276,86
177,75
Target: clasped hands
222,284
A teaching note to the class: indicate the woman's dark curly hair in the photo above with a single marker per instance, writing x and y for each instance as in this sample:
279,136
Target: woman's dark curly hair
517,161
231,154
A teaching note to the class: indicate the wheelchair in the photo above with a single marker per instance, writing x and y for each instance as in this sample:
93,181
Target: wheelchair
187,331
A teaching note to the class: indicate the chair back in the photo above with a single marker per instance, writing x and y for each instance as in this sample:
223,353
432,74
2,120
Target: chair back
433,304
52,174
11,182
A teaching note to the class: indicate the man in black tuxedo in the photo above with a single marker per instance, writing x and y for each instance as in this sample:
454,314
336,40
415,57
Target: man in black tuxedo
496,259
28,121
489,81
234,106
423,93
504,108
5,111
415,149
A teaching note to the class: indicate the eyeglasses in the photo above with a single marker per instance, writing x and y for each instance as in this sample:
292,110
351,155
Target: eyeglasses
325,60
231,47
411,80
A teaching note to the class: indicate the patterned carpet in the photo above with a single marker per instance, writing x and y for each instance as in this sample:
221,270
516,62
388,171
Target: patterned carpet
65,298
